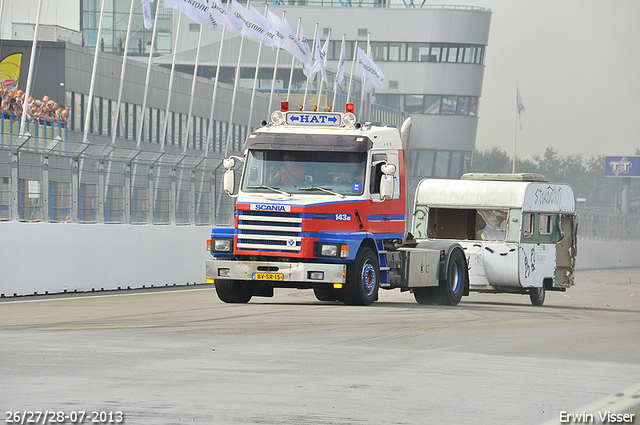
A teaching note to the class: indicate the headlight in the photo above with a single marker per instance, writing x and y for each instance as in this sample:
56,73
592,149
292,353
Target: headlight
349,119
333,250
277,117
222,245
329,250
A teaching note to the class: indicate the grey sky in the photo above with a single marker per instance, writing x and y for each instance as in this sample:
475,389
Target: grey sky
577,65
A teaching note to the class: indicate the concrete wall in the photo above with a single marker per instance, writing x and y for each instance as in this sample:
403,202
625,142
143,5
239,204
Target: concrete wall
37,257
53,258
599,254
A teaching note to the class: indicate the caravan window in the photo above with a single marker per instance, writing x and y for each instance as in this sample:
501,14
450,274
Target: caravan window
527,225
545,224
462,224
495,225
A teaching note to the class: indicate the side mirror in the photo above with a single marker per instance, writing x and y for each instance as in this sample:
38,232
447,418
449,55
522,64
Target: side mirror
386,180
229,180
388,169
229,163
386,187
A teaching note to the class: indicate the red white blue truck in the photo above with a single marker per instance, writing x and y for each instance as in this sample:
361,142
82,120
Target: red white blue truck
322,205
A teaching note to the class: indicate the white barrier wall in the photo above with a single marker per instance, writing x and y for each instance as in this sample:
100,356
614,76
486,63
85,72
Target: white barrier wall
597,254
38,257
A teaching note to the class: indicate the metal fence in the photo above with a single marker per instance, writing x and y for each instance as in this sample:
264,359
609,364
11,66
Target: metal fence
55,181
607,224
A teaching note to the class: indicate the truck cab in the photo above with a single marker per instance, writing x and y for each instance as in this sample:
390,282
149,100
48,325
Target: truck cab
321,204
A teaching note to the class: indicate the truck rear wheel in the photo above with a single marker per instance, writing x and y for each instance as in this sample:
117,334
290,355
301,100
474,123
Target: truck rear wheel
234,291
363,278
425,295
451,289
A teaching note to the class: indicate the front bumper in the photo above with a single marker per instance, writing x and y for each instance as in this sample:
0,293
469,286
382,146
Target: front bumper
291,272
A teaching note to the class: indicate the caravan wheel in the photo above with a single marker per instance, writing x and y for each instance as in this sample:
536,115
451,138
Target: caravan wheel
537,295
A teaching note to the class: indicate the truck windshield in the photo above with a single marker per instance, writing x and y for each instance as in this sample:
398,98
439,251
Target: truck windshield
340,173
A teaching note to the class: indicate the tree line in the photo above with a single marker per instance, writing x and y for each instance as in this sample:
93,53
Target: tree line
585,175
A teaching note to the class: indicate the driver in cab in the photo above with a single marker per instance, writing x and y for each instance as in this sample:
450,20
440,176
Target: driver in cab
289,174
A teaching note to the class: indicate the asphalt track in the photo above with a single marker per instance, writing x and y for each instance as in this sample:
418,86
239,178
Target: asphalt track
179,355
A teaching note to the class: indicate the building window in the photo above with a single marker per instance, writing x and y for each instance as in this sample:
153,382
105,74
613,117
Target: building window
430,163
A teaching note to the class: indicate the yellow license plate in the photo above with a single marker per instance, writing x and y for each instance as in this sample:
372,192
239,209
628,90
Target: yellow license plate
268,276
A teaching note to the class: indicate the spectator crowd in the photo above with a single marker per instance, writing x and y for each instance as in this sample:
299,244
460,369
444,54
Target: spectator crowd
41,111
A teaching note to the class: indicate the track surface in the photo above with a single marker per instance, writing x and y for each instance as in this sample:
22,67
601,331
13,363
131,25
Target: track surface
170,356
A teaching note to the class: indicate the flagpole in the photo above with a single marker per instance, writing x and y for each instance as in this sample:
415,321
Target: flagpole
193,93
147,78
235,90
215,87
163,136
1,10
364,84
293,60
313,51
93,78
27,91
255,78
335,87
215,91
324,64
275,70
353,64
124,64
515,124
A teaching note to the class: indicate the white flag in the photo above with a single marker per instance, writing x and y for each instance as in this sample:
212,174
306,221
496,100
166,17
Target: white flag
221,17
319,64
519,106
340,71
279,31
196,10
255,26
261,21
298,47
369,70
324,57
146,13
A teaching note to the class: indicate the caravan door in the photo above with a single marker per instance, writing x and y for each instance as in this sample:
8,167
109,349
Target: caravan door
566,252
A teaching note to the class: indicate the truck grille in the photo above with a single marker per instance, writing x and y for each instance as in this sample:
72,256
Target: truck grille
269,231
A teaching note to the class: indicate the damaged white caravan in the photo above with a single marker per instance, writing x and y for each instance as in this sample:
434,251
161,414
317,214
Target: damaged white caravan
518,230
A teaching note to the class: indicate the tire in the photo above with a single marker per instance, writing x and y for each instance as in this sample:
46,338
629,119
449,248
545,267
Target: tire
324,294
363,279
425,295
234,291
537,296
451,289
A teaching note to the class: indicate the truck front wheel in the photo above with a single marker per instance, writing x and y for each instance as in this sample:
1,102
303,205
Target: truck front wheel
363,279
234,291
451,289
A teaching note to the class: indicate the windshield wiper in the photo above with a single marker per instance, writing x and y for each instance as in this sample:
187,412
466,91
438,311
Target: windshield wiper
270,188
322,189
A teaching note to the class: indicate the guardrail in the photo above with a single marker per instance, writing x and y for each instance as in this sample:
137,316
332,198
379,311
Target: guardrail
54,180
601,224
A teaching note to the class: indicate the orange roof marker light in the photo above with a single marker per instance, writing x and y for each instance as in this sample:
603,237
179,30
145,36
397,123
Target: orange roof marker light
315,107
349,108
300,107
284,106
329,108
